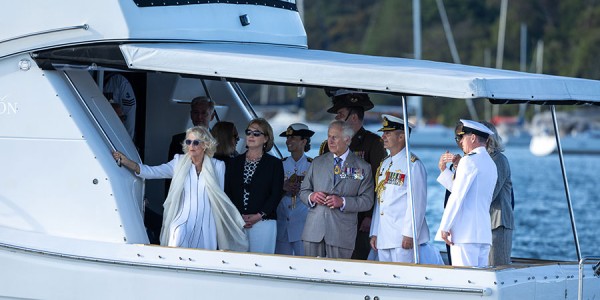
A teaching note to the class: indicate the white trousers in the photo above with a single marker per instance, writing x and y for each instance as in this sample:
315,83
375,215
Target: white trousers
470,255
428,254
261,236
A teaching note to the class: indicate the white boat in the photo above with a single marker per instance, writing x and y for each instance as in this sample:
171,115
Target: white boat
579,132
71,219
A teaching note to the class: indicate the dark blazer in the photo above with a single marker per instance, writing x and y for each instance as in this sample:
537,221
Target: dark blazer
175,146
266,187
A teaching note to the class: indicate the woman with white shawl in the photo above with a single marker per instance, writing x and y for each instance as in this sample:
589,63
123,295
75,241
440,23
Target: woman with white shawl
197,213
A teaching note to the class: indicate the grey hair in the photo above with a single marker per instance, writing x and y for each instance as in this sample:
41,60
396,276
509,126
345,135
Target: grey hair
347,130
202,133
494,141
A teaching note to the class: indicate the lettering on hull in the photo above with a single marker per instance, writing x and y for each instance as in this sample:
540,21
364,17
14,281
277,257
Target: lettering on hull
7,108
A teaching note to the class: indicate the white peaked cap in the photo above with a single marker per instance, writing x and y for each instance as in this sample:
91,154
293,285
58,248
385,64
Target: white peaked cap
476,128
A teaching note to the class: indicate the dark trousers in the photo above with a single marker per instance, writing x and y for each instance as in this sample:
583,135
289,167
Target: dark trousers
447,246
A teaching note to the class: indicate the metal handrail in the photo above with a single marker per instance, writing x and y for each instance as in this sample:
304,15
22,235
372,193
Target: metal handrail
244,99
565,181
84,27
91,114
409,181
581,264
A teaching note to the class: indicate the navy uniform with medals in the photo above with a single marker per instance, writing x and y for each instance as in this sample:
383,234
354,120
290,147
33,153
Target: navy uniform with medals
364,144
392,216
291,212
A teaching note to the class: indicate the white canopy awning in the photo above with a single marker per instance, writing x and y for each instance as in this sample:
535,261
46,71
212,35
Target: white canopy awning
278,64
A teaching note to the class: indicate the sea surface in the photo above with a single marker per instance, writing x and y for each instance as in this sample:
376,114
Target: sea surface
543,226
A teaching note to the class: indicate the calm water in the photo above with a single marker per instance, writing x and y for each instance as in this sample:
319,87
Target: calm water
543,227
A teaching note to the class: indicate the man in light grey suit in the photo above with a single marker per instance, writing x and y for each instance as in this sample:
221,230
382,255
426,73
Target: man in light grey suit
337,186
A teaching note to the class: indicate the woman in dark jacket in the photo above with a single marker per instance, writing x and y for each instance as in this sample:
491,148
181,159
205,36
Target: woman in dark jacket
254,183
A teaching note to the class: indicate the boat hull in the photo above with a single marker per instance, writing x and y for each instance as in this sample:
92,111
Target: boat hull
75,269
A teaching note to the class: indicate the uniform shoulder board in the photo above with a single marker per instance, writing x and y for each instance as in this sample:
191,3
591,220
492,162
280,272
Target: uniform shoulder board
472,153
309,159
413,158
322,148
388,156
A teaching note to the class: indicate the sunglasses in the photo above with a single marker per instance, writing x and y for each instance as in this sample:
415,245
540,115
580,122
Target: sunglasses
194,142
459,136
254,132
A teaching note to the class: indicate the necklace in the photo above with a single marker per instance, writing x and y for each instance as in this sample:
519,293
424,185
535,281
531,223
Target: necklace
249,158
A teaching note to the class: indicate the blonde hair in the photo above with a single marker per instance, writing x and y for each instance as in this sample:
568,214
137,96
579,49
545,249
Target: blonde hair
202,133
494,141
265,127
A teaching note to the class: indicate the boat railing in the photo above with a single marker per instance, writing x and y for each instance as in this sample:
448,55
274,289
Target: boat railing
83,26
596,269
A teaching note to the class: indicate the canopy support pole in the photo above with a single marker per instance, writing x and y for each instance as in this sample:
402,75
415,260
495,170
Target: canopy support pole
408,180
565,181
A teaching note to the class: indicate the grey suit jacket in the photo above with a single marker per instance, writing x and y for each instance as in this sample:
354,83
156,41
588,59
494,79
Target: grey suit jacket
336,227
501,211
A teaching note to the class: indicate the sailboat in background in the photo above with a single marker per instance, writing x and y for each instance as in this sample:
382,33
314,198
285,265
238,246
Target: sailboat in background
579,132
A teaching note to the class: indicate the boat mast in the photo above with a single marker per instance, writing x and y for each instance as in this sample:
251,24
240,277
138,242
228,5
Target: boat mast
500,46
454,51
565,181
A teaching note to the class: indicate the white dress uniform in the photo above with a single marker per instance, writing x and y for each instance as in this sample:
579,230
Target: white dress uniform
123,94
194,225
392,216
291,212
467,214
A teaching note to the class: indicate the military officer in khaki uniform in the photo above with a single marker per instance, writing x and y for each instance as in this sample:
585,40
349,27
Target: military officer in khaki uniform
350,106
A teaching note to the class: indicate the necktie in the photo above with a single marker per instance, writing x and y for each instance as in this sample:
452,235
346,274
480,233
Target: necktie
337,168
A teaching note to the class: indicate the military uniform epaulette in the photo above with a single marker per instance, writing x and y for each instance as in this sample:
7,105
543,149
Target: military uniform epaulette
322,148
472,153
413,158
309,159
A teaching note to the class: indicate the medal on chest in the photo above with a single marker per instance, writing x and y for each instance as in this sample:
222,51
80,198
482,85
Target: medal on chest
337,170
395,178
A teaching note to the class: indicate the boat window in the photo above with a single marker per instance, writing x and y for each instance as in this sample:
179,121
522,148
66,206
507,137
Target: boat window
285,4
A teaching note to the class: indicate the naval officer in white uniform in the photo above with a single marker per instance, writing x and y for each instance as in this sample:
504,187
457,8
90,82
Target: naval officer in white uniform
291,212
465,224
392,224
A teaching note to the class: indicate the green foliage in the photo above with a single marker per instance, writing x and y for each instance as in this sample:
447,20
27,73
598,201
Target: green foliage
570,30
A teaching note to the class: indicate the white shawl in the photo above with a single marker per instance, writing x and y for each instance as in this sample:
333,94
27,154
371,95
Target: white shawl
229,222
